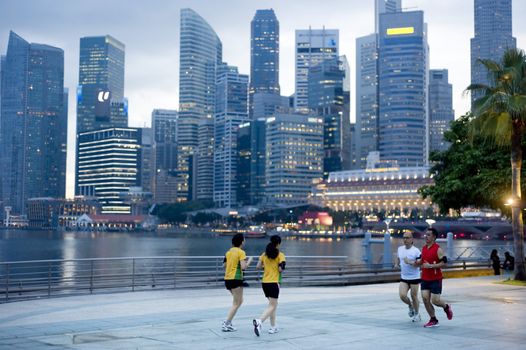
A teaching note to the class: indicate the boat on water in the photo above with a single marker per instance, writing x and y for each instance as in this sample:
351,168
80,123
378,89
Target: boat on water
256,232
250,232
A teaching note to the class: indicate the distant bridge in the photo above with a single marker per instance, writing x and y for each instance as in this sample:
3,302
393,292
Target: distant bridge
461,229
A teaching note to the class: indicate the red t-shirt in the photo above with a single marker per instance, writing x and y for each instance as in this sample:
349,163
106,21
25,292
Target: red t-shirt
430,255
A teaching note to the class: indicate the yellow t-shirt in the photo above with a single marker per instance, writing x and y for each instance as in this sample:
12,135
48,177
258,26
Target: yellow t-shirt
232,265
271,272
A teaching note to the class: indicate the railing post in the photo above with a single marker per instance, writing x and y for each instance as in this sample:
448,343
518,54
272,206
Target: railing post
133,275
7,282
49,280
175,273
449,248
368,254
464,264
388,256
91,279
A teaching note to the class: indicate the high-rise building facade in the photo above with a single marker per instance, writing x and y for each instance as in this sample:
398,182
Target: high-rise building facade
366,128
264,52
257,160
205,160
108,165
199,56
294,158
493,36
244,157
403,87
231,111
100,94
33,123
326,98
164,125
312,47
441,112
101,84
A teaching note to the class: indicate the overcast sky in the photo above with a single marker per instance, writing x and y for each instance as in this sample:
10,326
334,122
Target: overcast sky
150,31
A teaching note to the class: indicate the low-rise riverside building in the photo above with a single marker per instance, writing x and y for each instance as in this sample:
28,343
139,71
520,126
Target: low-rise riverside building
392,188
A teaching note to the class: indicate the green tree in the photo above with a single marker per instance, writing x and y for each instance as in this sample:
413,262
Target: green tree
500,116
471,172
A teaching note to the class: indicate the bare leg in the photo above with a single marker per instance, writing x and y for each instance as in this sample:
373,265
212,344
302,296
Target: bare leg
402,290
436,300
426,298
237,300
270,311
414,297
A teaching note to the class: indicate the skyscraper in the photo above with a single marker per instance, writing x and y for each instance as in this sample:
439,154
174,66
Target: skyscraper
97,174
403,86
205,160
366,128
326,97
33,123
441,112
493,36
294,158
264,52
200,54
312,47
100,93
231,111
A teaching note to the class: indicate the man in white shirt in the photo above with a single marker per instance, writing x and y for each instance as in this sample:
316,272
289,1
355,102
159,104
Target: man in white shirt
408,254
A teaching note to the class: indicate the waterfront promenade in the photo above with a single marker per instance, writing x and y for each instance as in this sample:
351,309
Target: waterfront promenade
487,316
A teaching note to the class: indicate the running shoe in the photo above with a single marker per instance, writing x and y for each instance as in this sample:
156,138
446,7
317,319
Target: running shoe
449,311
273,330
227,327
257,326
431,323
416,318
411,312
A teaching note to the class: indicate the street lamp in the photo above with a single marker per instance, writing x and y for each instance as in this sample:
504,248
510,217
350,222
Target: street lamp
430,222
387,222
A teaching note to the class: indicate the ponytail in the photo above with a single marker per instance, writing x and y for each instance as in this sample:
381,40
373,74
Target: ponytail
272,250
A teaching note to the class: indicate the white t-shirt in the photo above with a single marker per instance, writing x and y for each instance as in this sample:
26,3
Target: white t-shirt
409,272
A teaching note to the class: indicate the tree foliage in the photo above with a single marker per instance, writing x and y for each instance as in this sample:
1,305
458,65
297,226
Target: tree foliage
472,172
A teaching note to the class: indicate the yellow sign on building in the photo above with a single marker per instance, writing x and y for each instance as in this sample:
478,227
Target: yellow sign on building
400,31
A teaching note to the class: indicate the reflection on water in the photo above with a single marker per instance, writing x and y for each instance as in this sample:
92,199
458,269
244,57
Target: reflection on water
18,245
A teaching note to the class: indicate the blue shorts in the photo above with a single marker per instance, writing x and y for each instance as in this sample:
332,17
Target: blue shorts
434,286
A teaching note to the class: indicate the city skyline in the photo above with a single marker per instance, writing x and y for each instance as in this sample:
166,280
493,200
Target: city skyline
152,66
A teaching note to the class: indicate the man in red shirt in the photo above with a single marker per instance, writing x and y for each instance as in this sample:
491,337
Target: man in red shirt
431,261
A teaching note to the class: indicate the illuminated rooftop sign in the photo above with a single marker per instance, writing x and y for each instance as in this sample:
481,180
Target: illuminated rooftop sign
400,31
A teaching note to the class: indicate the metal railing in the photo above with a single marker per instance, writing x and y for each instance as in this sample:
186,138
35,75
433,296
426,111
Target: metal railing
23,280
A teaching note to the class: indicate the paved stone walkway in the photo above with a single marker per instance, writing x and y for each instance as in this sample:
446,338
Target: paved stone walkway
487,316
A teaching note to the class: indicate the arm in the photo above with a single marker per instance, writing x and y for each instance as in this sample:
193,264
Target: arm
245,263
442,260
259,266
281,262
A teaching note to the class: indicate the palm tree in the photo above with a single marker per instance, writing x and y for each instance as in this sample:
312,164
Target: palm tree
499,114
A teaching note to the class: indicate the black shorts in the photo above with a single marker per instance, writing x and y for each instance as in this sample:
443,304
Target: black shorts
410,282
233,284
434,286
271,290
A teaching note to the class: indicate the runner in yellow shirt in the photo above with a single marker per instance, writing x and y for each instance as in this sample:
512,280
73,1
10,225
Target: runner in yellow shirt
273,262
235,262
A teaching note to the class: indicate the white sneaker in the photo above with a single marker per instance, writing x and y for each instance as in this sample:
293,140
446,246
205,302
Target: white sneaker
416,318
257,326
273,330
227,327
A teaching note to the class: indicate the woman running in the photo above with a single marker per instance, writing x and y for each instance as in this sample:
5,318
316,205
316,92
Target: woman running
273,263
235,262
